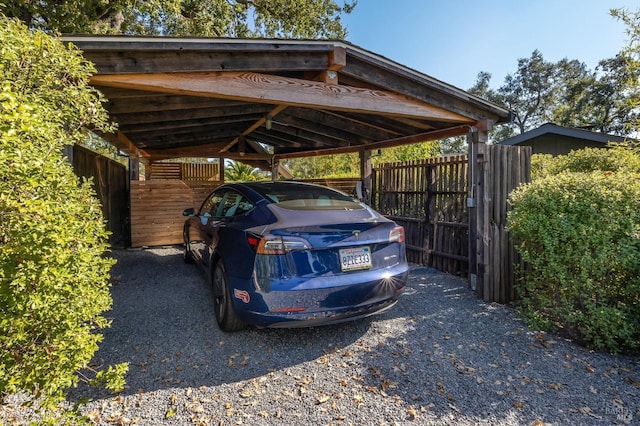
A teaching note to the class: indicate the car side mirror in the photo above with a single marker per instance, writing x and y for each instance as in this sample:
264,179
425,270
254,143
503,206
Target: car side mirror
189,212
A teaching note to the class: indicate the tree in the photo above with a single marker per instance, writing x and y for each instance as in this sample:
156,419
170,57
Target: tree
631,55
529,92
236,171
566,93
54,277
222,18
574,85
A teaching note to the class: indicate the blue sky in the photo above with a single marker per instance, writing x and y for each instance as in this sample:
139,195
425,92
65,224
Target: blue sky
453,40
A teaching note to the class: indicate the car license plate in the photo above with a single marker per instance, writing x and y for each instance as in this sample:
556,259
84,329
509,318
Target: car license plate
353,259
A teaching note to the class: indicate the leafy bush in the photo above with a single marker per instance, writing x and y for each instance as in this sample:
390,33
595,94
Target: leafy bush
54,277
618,158
579,233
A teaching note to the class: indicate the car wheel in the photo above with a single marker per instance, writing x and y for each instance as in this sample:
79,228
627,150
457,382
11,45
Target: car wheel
225,314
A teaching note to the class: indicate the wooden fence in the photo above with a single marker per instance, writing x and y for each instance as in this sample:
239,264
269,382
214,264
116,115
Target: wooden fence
192,172
430,199
427,197
499,170
157,206
111,183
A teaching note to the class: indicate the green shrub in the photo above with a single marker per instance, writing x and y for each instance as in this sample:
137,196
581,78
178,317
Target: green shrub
617,158
54,277
579,233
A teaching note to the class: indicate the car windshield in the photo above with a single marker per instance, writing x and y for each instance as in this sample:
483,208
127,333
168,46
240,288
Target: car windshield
305,197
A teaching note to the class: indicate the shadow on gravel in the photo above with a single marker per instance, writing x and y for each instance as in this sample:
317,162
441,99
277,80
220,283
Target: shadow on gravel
163,324
439,354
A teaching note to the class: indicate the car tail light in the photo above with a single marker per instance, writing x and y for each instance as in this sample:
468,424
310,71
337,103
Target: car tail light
253,241
396,235
271,244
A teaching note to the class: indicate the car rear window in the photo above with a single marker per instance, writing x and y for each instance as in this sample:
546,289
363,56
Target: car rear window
306,197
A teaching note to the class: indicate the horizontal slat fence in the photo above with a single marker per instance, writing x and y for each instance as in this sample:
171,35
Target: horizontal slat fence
183,171
156,209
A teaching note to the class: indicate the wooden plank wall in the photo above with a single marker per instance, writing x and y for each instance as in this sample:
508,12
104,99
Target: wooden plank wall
205,172
157,205
156,209
502,169
111,183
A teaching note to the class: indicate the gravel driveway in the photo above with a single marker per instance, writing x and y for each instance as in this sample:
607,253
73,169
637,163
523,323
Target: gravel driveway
440,356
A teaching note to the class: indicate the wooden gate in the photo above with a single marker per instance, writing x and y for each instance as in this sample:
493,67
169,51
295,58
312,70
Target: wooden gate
498,170
428,198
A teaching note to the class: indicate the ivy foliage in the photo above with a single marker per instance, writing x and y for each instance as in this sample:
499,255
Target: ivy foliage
54,277
577,226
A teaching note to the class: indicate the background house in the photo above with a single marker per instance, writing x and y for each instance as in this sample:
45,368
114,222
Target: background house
558,140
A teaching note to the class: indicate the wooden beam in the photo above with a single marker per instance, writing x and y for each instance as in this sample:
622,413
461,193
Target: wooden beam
421,137
254,126
124,144
337,60
192,114
178,60
159,154
263,88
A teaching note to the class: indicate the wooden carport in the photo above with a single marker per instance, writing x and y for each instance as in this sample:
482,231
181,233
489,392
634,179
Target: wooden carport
260,101
234,98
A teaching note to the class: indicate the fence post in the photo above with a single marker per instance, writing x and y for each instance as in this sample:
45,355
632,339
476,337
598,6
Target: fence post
366,175
477,204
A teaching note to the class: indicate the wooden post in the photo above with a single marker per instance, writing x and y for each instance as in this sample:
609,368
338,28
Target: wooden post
275,169
134,168
221,170
478,201
366,175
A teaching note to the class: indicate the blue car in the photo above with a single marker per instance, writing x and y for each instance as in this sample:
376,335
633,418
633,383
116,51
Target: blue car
291,254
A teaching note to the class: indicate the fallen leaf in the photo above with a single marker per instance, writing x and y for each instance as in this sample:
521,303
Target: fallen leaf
322,399
171,412
633,382
412,413
588,411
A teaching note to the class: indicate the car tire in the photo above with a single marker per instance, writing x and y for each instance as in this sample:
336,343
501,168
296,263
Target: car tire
223,305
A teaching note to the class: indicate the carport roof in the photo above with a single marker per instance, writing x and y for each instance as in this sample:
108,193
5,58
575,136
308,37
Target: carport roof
232,98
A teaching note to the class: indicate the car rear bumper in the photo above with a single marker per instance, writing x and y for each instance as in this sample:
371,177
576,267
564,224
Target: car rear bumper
325,305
